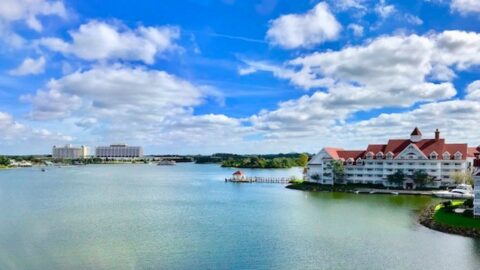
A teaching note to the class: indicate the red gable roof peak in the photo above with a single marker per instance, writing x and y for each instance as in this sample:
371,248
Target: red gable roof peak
416,132
238,173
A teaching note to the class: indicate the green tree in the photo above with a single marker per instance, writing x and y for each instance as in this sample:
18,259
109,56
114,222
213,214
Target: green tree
302,160
421,177
396,178
338,170
462,178
4,161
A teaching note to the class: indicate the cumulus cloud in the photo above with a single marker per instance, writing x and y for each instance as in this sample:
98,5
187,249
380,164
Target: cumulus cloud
132,103
390,71
29,11
114,91
384,10
443,115
304,30
11,130
356,29
349,4
465,6
473,91
29,66
112,41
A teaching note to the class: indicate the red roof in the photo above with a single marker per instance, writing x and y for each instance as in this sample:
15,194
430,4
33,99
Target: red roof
238,173
396,146
416,131
333,152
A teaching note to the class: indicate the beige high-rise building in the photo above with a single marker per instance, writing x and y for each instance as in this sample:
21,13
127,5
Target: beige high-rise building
69,152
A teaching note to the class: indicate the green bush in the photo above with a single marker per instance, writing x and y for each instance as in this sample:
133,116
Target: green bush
468,213
468,203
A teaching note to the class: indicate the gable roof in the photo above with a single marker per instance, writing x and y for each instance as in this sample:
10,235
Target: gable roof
396,146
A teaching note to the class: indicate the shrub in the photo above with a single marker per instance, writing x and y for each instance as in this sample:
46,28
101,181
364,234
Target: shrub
468,213
468,203
446,203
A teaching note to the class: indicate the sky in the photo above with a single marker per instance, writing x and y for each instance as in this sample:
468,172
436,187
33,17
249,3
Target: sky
236,76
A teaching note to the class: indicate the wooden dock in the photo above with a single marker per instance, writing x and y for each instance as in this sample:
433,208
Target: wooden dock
256,179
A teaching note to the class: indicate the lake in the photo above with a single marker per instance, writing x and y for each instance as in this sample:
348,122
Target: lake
187,217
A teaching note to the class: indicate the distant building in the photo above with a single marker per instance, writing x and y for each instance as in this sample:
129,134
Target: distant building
119,151
374,164
69,152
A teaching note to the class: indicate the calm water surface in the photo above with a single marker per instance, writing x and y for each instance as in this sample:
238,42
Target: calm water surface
186,217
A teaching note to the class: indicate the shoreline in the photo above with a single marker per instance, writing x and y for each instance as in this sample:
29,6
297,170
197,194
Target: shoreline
356,188
426,218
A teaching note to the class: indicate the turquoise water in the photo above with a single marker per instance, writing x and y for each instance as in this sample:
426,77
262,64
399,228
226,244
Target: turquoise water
187,217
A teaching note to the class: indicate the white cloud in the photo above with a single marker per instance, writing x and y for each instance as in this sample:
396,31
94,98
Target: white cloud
412,19
349,4
29,11
390,71
11,130
122,103
473,91
304,30
384,10
98,40
443,115
356,29
115,91
465,6
29,66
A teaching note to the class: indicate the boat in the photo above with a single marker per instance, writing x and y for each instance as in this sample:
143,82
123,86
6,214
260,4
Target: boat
43,170
462,191
166,162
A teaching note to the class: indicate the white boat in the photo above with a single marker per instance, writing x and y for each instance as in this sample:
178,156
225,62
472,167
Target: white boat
460,192
166,163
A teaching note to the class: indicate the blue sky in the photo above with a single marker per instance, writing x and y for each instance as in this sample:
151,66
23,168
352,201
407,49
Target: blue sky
254,76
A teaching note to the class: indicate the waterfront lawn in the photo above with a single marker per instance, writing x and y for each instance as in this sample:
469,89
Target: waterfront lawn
458,220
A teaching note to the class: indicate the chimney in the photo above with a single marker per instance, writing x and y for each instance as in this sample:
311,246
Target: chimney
437,135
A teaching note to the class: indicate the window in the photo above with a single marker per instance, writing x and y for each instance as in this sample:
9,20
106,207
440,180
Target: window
433,155
369,155
359,161
379,155
389,155
446,155
458,155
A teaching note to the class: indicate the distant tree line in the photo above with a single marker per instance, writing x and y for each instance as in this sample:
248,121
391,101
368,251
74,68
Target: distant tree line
4,161
267,161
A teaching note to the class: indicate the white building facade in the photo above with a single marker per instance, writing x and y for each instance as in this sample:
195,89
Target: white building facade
119,151
374,164
69,152
476,191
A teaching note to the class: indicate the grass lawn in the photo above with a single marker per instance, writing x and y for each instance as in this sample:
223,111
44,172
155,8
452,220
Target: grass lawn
458,220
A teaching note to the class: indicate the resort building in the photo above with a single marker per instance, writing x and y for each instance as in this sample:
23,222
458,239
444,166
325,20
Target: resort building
374,164
69,152
119,151
476,191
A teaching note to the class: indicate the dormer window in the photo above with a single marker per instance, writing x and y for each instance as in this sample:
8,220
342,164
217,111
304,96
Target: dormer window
389,155
379,155
369,155
349,161
359,161
458,155
446,155
433,155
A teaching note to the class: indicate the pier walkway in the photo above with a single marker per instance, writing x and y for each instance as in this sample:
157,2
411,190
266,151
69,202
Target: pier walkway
256,179
392,191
